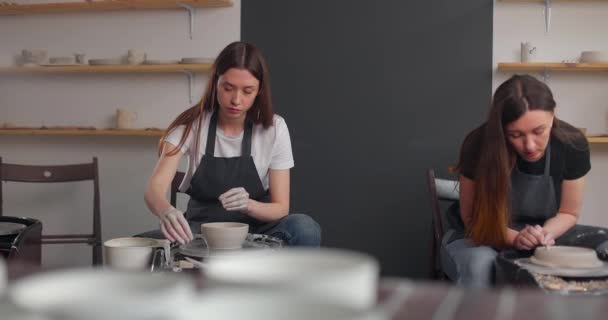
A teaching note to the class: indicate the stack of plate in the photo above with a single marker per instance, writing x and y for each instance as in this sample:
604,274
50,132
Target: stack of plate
594,57
161,62
103,62
196,60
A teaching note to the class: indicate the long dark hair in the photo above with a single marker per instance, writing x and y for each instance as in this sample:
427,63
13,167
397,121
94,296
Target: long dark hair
497,158
238,55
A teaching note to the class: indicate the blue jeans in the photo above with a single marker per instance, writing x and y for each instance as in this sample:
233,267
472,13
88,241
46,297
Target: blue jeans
296,229
466,264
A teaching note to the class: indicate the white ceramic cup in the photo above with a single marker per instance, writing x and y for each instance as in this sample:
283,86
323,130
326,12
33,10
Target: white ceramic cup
102,294
125,119
528,52
130,253
338,276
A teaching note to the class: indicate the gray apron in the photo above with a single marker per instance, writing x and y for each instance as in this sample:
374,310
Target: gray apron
533,198
216,175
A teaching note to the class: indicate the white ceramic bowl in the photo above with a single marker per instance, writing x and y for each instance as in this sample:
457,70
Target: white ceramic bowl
338,276
224,235
97,293
130,253
594,56
231,304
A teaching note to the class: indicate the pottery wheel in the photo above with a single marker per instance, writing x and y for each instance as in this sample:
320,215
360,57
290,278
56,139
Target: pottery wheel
527,264
7,228
254,242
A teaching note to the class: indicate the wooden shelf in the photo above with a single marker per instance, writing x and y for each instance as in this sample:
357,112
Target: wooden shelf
552,66
83,132
602,139
111,68
543,1
107,5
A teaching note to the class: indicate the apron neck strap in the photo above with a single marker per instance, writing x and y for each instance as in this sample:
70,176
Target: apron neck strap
548,159
245,145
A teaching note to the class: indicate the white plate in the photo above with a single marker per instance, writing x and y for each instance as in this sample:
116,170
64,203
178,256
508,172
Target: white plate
161,62
564,272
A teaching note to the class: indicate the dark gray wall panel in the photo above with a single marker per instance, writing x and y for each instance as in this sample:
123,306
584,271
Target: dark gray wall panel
374,92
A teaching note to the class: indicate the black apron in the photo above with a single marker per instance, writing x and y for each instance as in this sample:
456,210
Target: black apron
215,175
533,198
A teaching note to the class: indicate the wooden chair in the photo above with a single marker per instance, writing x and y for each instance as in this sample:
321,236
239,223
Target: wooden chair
60,173
177,180
439,190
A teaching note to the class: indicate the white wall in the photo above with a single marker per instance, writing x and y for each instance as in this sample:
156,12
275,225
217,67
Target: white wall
582,98
91,100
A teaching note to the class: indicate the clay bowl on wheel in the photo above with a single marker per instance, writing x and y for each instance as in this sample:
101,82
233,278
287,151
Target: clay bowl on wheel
566,257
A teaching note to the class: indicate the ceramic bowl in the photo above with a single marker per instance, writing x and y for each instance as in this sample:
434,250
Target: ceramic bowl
130,253
594,57
566,257
224,235
97,293
343,277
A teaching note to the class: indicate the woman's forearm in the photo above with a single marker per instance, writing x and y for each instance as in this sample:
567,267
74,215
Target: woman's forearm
559,224
267,211
156,200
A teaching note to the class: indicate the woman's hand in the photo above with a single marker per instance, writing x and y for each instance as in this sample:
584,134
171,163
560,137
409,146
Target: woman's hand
531,237
174,226
235,199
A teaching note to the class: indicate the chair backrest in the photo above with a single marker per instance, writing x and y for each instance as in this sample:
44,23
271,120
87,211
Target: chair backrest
60,173
439,190
177,180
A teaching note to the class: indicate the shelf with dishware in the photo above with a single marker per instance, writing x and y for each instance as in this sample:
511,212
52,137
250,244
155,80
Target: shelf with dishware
124,68
597,139
85,131
552,66
10,8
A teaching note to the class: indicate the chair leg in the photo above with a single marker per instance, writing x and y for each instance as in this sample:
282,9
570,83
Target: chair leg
97,254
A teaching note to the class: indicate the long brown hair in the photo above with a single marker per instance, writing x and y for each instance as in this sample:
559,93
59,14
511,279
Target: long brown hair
490,216
238,55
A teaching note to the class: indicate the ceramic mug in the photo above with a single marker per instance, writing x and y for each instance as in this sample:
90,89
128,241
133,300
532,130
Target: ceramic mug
125,119
528,52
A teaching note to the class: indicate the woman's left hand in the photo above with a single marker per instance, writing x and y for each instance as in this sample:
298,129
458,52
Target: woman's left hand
235,199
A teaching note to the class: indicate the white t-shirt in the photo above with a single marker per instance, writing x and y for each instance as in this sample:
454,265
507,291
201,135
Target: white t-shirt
270,148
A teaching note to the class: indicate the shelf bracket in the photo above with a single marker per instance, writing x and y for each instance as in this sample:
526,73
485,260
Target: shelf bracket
547,15
190,75
191,13
546,75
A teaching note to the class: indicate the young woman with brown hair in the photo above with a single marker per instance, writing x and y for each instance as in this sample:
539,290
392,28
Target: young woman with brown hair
522,175
239,157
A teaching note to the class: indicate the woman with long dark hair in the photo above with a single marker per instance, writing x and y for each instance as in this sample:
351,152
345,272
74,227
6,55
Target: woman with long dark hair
522,175
239,158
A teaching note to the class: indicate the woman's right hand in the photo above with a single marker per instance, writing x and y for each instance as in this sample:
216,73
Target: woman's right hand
531,237
174,225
